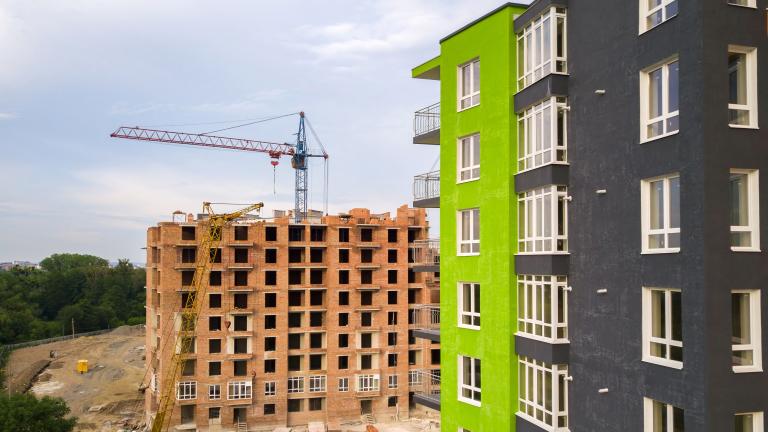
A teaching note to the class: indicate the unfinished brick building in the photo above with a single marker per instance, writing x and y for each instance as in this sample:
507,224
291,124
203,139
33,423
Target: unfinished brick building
300,323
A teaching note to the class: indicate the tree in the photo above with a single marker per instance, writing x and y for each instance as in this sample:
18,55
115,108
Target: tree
26,413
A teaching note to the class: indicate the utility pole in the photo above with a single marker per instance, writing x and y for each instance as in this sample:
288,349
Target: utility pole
73,328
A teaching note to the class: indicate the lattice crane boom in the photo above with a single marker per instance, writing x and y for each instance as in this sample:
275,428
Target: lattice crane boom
299,152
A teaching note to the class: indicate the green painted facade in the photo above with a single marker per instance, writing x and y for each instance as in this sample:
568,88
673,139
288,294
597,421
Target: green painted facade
493,41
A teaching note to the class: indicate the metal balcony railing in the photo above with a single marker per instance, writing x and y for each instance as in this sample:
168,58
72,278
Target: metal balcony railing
426,252
426,120
426,186
425,317
425,383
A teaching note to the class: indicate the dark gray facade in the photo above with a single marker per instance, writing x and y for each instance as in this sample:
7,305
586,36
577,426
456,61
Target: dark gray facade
605,52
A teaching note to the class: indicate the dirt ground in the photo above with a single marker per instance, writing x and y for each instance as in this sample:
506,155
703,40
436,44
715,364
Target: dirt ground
103,399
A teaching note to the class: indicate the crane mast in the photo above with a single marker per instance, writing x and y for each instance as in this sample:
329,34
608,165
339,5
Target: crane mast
299,163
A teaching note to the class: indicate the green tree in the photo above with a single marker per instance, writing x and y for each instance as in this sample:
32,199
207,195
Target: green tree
26,413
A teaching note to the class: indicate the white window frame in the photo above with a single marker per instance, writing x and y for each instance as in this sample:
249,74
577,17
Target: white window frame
645,13
534,379
648,415
750,4
533,128
270,388
473,244
755,323
186,390
317,383
645,85
343,384
214,391
538,60
296,384
414,378
367,383
753,210
752,82
757,420
392,382
532,320
533,221
645,206
472,170
471,386
648,337
471,311
473,92
237,390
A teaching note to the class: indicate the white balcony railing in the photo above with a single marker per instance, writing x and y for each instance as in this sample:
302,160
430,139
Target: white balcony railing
425,317
425,252
426,120
426,186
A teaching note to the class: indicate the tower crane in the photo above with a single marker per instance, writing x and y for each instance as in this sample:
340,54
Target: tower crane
210,239
298,152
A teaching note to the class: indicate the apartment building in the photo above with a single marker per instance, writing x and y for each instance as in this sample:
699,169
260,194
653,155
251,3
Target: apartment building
301,322
611,216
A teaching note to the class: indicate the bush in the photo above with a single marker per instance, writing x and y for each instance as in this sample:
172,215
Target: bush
26,413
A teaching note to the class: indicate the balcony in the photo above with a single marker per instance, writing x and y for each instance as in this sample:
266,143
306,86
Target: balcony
425,255
426,190
426,125
425,321
425,385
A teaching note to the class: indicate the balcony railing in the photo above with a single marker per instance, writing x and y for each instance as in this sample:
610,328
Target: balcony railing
425,317
425,385
426,186
426,120
426,252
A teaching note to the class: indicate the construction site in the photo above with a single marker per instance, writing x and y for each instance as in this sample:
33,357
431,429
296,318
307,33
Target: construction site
296,321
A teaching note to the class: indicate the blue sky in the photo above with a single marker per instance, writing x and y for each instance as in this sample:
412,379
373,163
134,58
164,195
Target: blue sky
74,70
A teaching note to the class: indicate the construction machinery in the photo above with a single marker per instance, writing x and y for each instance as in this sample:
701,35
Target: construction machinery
211,229
298,152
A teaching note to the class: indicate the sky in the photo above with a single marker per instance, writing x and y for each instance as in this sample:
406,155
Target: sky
75,70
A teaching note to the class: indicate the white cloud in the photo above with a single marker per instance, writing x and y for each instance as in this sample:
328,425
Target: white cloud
7,116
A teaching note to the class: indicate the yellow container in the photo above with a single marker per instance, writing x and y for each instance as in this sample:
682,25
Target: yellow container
82,366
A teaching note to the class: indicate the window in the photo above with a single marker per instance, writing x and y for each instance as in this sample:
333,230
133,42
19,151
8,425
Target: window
747,3
392,401
343,235
543,393
214,391
343,298
316,340
316,383
542,303
742,87
214,346
469,232
186,390
392,318
469,85
270,322
343,362
295,384
746,337
241,233
214,368
270,343
214,323
392,256
343,277
343,340
662,327
270,277
214,301
541,48
366,361
295,405
392,382
469,380
469,305
367,383
748,422
392,297
240,367
316,404
187,414
366,319
469,158
294,340
270,256
366,235
270,233
343,319
392,339
269,409
270,366
366,277
270,388
745,210
270,300
316,361
343,384
655,12
391,276
661,214
659,88
542,134
543,220
239,390
214,413
294,363
414,377
661,417
392,235
343,255
392,360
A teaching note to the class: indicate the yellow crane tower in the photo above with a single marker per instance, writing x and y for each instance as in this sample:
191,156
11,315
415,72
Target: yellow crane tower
208,247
